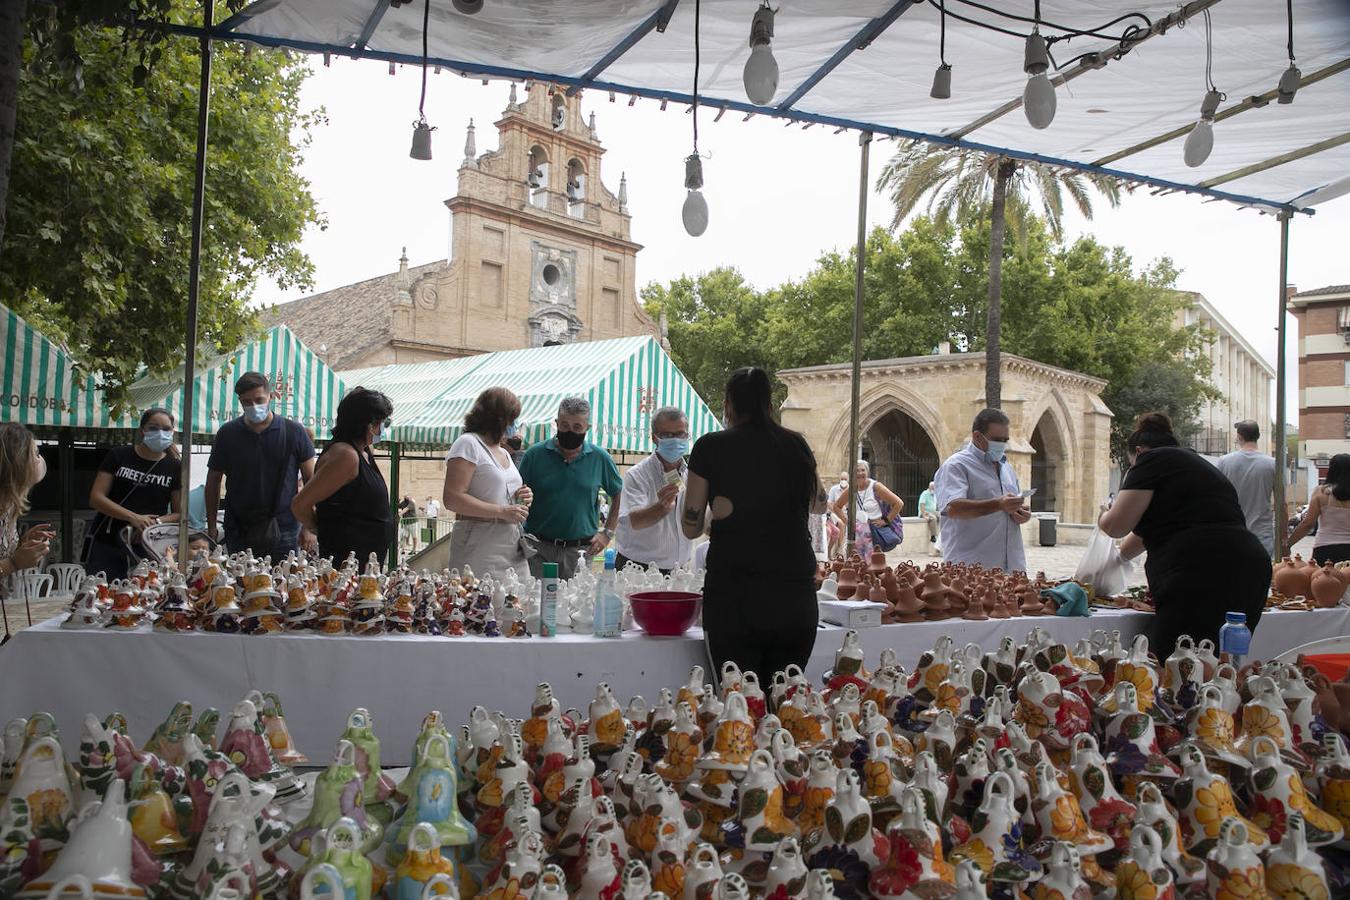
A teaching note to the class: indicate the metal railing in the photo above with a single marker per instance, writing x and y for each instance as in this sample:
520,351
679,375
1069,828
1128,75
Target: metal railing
416,533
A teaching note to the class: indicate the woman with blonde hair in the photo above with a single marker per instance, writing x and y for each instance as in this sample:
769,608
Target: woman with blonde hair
21,467
484,489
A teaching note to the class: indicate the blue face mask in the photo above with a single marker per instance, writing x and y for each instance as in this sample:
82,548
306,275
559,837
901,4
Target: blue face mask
157,440
379,435
996,450
258,413
510,431
671,449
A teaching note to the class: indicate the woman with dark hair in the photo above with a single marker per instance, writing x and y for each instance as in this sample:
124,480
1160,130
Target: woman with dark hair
137,485
1202,560
1330,512
484,489
758,482
21,467
346,502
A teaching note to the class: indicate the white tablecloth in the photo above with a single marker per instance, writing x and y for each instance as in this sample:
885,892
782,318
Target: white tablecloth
399,678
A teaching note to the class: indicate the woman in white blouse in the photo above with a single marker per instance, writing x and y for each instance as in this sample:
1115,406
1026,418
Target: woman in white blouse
484,490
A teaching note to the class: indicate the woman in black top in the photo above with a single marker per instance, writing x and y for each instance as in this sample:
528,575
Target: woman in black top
759,481
1202,560
346,502
136,485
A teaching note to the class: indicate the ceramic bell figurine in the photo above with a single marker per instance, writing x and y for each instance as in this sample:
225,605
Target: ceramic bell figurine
820,785
245,743
235,801
996,836
1132,742
40,798
1266,715
1277,792
848,821
432,723
278,735
1234,868
601,878
605,726
433,799
703,873
338,794
1204,800
153,818
1293,869
1142,874
786,879
343,854
681,744
1063,877
1333,778
761,806
1060,818
1106,810
1156,814
379,787
733,738
1211,727
99,850
420,864
914,866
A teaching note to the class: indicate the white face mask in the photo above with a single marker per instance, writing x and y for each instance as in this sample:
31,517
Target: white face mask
39,470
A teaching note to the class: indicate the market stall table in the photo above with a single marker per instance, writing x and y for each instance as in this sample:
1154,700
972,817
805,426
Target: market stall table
400,677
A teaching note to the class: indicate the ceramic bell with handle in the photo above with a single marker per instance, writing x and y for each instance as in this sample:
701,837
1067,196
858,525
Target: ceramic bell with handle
1294,871
1277,792
1203,801
1142,874
1155,814
432,799
1235,869
99,851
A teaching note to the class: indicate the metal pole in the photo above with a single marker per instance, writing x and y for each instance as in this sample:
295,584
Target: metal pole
1281,514
865,141
394,450
65,467
194,279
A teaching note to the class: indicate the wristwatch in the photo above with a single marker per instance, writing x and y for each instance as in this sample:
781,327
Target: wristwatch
607,533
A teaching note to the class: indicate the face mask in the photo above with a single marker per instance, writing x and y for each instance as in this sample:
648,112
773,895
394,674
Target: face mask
515,443
509,431
379,435
995,452
258,413
158,440
570,440
843,482
671,449
39,470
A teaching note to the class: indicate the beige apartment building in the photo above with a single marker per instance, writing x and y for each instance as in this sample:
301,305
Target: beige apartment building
1240,374
1323,318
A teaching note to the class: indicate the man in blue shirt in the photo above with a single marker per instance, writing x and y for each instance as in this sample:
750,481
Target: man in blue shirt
566,474
980,501
262,458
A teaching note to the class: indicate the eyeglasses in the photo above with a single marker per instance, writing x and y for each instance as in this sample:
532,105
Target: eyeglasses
387,424
672,435
578,427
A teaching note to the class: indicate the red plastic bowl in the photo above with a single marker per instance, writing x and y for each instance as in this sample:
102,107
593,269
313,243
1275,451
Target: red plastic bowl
665,613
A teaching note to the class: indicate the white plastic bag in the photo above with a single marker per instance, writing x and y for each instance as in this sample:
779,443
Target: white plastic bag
1102,566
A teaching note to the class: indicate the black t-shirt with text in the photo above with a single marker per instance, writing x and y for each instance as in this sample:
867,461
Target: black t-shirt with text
138,484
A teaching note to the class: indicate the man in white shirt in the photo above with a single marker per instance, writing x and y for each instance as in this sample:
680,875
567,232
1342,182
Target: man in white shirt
1253,476
649,530
980,501
433,508
836,525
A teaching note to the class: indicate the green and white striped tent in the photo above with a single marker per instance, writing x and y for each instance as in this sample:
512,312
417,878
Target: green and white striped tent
411,386
306,390
625,380
41,389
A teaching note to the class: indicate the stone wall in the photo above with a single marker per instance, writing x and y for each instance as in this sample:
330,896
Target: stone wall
943,393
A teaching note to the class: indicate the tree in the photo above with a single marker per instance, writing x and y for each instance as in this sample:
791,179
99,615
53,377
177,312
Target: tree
963,182
96,252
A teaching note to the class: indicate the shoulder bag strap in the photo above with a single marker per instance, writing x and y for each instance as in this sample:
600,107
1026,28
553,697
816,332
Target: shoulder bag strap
286,461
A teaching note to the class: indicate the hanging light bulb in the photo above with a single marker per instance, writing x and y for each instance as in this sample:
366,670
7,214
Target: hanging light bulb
421,142
1038,98
942,78
761,69
1289,83
1201,139
695,211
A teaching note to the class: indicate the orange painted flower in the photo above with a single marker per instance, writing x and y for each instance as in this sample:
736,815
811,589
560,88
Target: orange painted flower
1212,805
669,879
534,732
1041,892
554,785
812,817
681,754
1030,715
735,741
609,728
977,851
877,778
490,794
1286,880
1142,679
1066,819
933,678
1336,799
1134,883
1242,884
1257,720
509,891
947,697
641,832
774,819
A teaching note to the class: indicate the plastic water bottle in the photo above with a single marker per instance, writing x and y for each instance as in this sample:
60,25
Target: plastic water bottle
1235,638
608,603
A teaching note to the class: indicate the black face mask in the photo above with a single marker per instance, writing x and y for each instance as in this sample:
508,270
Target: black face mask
570,440
515,443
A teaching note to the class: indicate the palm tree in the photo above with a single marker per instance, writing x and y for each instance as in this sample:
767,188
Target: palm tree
960,182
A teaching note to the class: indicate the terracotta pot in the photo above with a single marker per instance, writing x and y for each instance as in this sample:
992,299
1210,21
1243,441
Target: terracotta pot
1327,587
1292,579
848,582
1031,604
935,606
877,563
876,593
908,607
957,602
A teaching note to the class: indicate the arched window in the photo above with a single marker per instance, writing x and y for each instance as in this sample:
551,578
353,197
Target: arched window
576,189
536,177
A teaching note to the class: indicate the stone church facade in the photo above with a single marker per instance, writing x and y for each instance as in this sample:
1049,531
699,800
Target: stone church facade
540,253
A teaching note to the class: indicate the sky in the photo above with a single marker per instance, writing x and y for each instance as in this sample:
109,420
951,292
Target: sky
779,197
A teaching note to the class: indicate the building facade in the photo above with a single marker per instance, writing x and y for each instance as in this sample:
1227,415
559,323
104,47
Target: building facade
1323,318
1239,373
917,411
540,252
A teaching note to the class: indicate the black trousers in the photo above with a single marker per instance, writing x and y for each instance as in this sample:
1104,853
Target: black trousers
1331,553
1199,576
620,561
761,624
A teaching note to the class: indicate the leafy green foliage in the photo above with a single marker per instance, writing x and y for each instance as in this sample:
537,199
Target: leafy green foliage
1080,306
98,239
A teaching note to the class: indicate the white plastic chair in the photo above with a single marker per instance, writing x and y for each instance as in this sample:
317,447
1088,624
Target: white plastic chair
1336,644
30,585
66,580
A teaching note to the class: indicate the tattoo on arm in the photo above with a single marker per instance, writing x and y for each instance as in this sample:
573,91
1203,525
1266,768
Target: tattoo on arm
693,515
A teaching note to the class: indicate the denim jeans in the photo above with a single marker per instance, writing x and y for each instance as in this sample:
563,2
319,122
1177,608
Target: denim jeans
289,540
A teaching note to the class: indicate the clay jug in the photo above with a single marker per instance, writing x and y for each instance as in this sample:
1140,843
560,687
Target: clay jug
876,563
848,582
1292,579
1327,587
876,593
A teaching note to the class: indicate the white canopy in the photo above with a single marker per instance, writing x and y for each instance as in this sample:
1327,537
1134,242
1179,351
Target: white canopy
868,64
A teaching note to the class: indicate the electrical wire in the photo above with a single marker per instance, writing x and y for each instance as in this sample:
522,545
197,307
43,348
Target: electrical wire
942,34
426,23
1127,37
697,10
1209,53
1289,6
1098,31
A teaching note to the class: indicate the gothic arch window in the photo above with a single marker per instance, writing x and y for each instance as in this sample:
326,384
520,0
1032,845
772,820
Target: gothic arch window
559,116
576,189
536,177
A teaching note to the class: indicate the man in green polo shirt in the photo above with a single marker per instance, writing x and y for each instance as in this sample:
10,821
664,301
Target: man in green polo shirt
566,474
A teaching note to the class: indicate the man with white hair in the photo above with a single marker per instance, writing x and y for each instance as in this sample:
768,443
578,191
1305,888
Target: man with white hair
566,474
649,530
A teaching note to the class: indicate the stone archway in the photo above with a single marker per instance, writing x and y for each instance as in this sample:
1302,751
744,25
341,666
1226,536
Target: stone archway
902,455
874,404
1047,466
